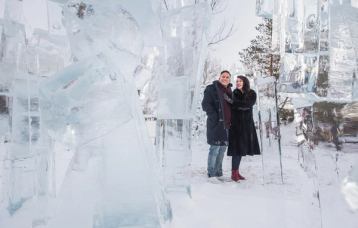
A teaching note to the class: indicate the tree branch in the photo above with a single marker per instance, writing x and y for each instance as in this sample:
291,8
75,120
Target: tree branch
166,4
221,35
218,6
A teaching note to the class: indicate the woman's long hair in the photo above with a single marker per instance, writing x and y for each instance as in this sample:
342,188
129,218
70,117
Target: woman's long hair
246,87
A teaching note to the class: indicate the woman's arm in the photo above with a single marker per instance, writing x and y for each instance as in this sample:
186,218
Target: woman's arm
246,103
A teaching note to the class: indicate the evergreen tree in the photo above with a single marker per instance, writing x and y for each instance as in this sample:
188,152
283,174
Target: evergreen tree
258,57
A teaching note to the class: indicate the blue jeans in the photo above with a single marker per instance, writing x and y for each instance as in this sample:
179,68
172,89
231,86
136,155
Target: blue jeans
215,160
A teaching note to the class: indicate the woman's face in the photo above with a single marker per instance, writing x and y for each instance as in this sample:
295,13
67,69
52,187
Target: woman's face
239,83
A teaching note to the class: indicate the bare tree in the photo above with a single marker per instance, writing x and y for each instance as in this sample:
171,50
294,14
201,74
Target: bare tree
225,30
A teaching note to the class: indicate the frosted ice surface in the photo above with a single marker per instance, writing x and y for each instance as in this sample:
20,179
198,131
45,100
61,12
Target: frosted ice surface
35,15
293,26
276,25
2,8
83,22
354,3
311,26
183,32
31,13
174,100
183,26
264,8
147,20
343,50
97,98
174,4
54,16
103,178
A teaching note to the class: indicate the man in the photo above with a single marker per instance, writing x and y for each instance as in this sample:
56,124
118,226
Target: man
218,110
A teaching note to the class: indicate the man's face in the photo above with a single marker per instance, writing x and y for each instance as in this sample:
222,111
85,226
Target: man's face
224,79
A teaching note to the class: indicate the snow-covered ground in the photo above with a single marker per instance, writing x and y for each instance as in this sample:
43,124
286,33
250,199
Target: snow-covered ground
310,195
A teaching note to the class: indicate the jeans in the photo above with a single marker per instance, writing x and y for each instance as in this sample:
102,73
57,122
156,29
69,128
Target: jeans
215,160
235,162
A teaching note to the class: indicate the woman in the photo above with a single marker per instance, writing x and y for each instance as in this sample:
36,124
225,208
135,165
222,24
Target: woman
242,135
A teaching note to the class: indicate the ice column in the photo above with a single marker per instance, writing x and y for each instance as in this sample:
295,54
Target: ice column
25,162
183,26
32,48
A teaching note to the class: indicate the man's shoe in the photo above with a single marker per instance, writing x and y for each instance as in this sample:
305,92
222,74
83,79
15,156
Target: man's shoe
214,180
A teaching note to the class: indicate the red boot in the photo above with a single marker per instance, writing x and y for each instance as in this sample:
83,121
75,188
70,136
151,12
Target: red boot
240,177
235,175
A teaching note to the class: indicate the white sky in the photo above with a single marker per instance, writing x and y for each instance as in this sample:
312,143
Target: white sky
243,14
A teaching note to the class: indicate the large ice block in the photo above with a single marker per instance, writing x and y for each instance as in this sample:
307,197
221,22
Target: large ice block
184,54
311,26
184,42
343,50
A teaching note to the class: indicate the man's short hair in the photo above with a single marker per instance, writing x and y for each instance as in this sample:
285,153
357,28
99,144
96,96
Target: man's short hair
225,71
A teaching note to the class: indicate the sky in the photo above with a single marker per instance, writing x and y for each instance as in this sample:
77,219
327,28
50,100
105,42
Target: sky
243,14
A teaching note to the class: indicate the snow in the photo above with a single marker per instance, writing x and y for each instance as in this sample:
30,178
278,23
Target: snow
262,200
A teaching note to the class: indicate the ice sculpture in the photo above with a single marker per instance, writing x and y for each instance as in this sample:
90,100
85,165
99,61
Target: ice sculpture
78,135
184,53
96,97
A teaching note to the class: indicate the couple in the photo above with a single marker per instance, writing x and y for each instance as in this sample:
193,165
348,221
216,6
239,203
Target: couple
230,123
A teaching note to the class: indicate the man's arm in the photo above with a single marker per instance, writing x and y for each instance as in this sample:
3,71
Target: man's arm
208,102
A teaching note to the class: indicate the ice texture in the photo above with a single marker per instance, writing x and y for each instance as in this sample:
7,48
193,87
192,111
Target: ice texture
264,8
184,44
74,144
343,51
